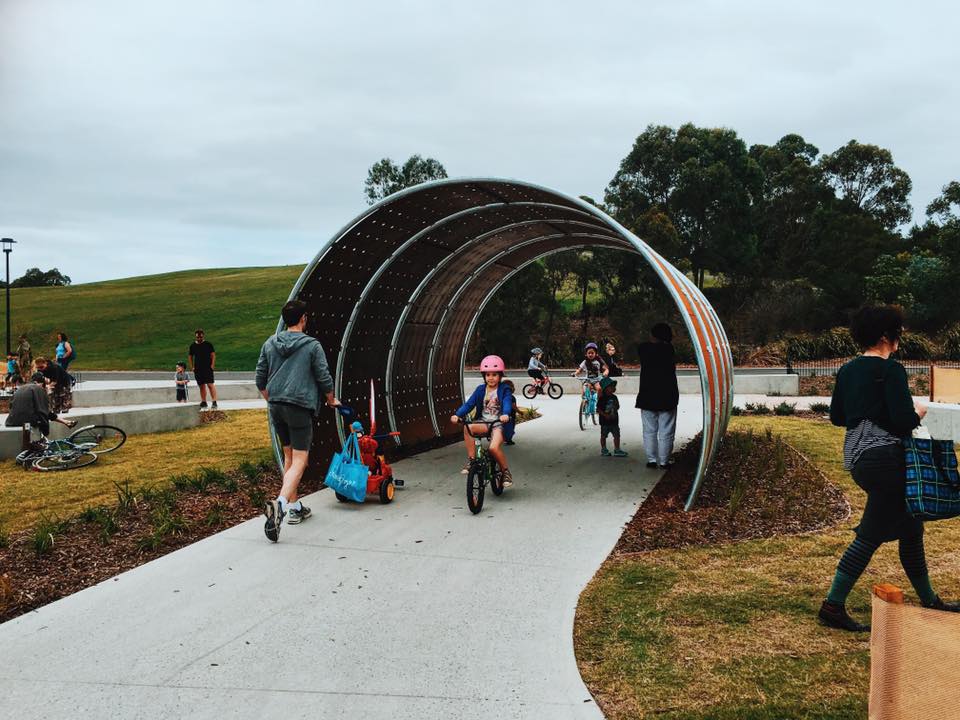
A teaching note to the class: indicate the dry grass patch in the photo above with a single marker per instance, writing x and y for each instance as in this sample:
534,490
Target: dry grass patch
145,460
729,630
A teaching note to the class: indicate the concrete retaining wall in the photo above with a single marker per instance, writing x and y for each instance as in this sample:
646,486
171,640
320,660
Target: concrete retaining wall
132,420
943,421
788,385
156,395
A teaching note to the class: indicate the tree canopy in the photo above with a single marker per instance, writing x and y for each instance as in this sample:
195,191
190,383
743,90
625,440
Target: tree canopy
385,177
35,277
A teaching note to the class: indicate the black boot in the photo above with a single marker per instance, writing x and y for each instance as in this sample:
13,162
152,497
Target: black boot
939,604
835,616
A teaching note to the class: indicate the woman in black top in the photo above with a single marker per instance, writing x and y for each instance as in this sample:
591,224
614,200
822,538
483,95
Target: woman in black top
658,395
609,357
872,400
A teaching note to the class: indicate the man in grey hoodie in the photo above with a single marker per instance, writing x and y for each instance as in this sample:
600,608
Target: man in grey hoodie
293,377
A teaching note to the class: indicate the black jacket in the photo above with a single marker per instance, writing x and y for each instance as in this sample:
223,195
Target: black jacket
871,388
658,377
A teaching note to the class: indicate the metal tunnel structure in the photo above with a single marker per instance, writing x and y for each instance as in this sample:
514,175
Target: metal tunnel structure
396,294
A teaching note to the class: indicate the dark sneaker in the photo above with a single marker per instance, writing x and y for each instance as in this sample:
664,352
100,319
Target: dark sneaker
604,452
507,478
295,517
271,528
652,465
620,453
214,406
203,405
835,616
939,604
509,442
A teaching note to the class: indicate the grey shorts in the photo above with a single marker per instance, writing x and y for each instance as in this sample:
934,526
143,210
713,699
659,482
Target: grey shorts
293,425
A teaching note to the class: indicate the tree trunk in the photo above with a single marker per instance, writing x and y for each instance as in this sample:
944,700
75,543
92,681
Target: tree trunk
583,306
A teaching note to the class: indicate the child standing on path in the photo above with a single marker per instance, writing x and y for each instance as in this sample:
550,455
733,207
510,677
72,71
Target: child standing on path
609,408
182,380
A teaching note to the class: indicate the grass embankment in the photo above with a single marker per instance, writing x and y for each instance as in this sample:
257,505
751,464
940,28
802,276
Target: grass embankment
147,323
145,460
728,631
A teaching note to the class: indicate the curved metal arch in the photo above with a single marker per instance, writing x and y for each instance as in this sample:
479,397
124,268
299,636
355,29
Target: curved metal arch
414,205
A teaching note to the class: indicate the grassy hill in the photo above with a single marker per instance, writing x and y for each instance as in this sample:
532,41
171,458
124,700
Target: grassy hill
147,323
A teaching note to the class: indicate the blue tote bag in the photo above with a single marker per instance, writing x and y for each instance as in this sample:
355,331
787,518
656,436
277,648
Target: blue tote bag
933,484
347,474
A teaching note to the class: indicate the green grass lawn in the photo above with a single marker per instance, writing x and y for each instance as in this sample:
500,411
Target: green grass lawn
729,631
147,323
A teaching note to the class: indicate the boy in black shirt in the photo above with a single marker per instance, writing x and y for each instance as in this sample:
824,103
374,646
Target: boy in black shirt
609,408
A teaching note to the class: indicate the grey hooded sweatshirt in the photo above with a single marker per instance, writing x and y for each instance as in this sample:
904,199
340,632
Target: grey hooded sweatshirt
293,369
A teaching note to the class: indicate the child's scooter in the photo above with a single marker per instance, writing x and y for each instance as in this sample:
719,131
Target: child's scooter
380,480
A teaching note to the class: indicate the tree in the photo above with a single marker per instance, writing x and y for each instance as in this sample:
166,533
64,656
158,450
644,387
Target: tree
704,180
385,178
34,277
920,282
946,208
866,177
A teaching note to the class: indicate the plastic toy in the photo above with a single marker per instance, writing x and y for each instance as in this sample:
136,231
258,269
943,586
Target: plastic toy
380,480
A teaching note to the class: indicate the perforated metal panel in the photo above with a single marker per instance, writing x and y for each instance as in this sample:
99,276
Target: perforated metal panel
395,294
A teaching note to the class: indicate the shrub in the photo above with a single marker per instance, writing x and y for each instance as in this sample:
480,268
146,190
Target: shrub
44,532
785,408
951,343
249,471
257,496
149,542
736,410
215,516
181,482
820,407
757,409
917,347
126,497
4,537
166,522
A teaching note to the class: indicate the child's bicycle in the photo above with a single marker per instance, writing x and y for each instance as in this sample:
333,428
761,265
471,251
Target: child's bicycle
588,404
532,389
81,448
483,470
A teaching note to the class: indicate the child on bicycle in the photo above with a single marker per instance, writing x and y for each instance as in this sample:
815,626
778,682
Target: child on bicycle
491,402
609,408
595,368
537,370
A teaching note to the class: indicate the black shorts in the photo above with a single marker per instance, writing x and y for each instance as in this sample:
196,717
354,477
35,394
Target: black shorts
203,376
610,430
293,425
535,374
181,394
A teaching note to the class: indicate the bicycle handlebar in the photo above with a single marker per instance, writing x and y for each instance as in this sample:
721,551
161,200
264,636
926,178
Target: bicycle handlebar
467,423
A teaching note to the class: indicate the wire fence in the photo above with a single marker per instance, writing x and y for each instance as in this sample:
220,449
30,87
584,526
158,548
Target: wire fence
829,366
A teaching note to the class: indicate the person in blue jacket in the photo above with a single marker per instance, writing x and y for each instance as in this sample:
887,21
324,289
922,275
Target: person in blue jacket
491,402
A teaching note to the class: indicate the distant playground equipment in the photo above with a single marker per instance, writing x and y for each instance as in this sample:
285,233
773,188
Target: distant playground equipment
944,384
396,295
359,470
82,447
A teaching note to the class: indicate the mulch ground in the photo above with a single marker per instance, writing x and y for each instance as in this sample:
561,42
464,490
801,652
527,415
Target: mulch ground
758,486
57,558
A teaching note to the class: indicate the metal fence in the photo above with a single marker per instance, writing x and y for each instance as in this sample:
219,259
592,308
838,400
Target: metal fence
829,366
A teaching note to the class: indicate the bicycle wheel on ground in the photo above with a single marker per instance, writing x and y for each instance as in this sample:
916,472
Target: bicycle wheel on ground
496,478
555,391
475,488
27,458
64,461
529,391
581,413
98,439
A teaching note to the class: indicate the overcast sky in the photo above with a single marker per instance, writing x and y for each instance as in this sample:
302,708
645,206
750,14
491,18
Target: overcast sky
139,137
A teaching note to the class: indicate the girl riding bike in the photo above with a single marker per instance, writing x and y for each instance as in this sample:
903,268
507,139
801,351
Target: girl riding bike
491,402
595,368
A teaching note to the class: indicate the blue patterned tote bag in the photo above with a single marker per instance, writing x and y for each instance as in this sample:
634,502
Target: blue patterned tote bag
347,474
933,484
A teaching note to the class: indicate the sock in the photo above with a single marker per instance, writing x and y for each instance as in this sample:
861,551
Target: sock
295,506
914,561
850,568
283,503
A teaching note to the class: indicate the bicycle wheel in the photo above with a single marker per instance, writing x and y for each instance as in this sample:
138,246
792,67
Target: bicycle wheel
496,478
64,461
555,391
475,488
529,391
98,439
581,413
27,458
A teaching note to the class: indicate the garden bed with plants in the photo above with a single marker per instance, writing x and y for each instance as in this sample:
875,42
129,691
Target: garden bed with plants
58,557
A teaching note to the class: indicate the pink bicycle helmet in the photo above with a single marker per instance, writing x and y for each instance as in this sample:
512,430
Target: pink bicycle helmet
492,363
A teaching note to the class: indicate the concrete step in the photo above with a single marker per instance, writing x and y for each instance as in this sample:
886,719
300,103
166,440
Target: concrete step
91,394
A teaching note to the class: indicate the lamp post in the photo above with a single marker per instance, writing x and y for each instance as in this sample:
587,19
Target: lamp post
7,249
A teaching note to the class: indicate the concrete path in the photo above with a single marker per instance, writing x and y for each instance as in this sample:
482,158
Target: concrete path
413,610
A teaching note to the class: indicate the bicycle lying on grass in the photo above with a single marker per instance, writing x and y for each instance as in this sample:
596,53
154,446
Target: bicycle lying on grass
81,448
483,470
